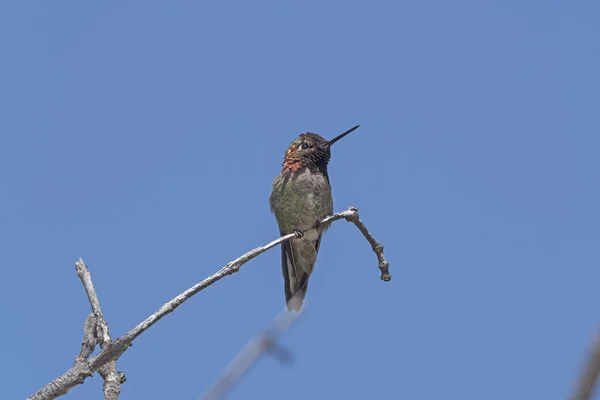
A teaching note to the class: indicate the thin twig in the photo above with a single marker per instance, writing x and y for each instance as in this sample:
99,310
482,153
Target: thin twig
377,247
114,349
589,374
266,342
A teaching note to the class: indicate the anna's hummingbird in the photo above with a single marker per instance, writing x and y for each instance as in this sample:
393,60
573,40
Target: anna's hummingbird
301,197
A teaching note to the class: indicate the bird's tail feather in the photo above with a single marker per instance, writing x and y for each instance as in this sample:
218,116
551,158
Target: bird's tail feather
295,281
295,299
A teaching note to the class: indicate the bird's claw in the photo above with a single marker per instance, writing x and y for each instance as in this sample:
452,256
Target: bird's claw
317,224
298,233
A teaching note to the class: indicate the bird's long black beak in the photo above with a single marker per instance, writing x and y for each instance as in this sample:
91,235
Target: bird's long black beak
338,137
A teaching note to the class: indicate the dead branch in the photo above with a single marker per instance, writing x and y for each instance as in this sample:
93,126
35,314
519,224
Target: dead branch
108,372
112,350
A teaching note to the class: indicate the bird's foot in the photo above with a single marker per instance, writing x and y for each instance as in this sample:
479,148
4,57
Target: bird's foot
317,225
298,233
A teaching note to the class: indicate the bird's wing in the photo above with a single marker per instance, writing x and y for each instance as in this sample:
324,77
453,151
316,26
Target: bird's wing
318,243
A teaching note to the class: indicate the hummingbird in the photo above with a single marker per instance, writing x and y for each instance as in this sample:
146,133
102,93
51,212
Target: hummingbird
301,197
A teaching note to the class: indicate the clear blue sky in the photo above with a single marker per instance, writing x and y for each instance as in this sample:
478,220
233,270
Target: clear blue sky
144,137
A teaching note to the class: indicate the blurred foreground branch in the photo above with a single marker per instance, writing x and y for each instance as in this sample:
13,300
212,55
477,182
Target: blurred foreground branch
112,350
254,349
589,374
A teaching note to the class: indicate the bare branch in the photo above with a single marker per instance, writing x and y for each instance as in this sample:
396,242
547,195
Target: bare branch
112,380
108,372
89,338
352,216
254,349
112,350
86,279
589,374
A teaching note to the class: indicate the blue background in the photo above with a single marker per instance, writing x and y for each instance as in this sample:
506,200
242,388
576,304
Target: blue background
144,137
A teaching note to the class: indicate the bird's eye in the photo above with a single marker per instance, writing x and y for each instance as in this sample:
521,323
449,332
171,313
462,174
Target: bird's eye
304,146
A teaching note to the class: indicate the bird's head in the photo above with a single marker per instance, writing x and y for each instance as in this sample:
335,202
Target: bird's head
310,150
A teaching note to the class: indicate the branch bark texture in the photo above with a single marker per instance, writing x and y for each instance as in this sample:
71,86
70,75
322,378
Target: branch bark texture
108,372
111,350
